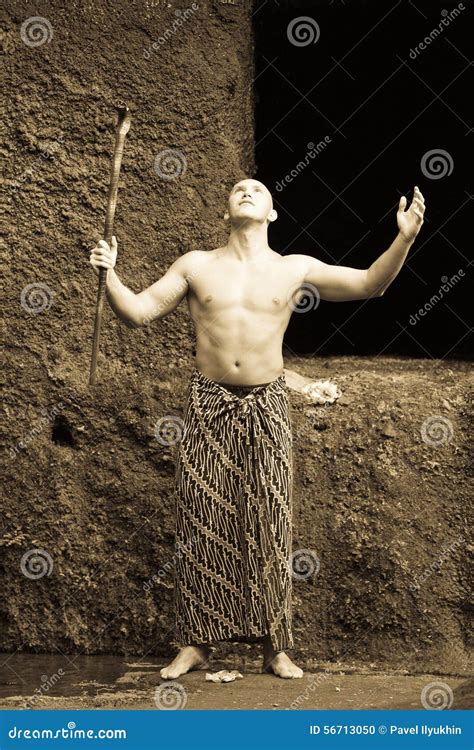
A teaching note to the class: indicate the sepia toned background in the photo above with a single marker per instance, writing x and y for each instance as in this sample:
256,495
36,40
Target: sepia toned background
382,476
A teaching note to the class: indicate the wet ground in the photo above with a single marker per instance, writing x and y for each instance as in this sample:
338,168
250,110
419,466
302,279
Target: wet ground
58,681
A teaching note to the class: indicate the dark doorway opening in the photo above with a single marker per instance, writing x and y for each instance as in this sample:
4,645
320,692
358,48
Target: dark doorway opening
369,103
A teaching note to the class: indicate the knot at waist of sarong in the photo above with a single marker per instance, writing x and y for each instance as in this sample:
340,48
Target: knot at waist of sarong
248,407
248,403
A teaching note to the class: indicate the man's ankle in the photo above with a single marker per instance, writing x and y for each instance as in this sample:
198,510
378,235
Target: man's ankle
206,647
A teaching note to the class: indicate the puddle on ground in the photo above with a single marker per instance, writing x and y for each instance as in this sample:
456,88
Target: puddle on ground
62,675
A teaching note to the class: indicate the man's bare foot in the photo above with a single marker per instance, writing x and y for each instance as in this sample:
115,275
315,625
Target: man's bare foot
278,662
282,666
190,657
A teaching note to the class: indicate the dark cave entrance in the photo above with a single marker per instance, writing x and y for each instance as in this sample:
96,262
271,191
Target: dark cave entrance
353,97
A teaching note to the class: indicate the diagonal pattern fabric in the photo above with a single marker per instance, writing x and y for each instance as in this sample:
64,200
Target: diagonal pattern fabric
233,500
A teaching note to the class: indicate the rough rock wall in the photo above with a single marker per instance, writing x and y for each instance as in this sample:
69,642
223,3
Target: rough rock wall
90,484
384,505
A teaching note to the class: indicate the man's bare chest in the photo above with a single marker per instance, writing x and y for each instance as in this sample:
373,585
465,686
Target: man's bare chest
257,288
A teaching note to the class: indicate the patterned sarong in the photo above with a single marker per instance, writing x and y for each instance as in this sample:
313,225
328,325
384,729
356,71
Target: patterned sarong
233,499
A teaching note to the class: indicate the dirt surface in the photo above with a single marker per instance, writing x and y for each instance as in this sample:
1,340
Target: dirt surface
108,683
86,480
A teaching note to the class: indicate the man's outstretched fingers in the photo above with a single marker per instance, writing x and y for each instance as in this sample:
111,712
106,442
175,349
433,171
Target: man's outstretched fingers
418,193
418,203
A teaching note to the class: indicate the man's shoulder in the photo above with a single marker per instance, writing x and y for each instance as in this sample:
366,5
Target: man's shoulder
195,254
193,258
297,260
297,257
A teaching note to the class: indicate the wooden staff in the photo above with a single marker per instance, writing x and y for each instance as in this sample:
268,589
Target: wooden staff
121,130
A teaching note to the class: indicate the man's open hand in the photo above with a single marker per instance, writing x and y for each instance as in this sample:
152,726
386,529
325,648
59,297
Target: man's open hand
409,222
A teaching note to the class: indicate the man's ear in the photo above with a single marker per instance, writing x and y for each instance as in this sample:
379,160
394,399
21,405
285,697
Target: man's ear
226,216
272,216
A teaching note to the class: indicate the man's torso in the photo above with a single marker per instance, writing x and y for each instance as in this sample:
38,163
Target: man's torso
240,312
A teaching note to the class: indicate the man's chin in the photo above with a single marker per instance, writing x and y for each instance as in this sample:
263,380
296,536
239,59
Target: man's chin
249,213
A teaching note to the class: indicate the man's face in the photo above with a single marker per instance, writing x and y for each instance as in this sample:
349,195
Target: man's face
250,199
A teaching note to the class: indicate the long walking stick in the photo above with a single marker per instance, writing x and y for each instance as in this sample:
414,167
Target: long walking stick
121,130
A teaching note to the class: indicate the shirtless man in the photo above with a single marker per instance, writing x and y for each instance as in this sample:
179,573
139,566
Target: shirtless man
240,297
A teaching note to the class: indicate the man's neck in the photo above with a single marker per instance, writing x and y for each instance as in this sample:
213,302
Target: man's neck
248,243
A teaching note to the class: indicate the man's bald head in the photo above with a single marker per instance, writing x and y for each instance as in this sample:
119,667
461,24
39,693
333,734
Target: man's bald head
250,182
250,199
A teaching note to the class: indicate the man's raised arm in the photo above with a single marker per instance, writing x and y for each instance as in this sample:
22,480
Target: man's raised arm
342,283
154,302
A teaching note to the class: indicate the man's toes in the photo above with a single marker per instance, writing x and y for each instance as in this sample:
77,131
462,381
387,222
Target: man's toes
290,673
295,672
